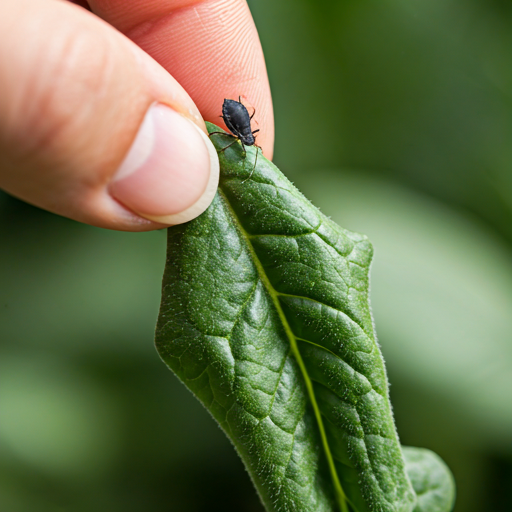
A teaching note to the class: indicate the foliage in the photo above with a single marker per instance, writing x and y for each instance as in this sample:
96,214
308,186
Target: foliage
265,316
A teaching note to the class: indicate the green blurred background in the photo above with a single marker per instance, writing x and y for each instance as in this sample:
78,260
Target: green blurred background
395,118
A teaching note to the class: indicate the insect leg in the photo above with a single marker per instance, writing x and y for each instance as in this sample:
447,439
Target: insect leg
255,131
245,152
254,166
254,112
228,146
229,135
221,133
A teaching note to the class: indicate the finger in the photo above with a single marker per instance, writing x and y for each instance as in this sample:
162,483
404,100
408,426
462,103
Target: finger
211,47
91,127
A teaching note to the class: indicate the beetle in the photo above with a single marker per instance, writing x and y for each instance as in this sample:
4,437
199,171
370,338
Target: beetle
238,122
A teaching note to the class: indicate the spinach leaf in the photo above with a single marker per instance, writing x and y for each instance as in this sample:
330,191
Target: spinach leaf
265,316
431,479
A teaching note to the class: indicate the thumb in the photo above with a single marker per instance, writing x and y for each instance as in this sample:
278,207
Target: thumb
92,128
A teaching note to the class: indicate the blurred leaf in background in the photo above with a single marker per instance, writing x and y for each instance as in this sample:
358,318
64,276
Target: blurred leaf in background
419,90
409,140
442,300
90,418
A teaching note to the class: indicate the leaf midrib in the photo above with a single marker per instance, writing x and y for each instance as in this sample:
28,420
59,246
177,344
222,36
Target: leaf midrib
274,294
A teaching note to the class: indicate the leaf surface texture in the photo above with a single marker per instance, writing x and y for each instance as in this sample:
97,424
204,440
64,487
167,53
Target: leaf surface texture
265,316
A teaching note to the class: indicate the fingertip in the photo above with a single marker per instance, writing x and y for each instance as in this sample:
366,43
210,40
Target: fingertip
72,105
204,201
171,171
211,47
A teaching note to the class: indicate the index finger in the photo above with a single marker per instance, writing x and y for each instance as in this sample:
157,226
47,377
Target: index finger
211,47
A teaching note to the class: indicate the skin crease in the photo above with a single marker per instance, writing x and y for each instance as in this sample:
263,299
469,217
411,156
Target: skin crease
75,91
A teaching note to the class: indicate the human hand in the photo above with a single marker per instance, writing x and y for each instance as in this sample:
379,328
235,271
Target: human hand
107,128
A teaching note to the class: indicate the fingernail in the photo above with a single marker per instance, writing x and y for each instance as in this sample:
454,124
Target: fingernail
171,172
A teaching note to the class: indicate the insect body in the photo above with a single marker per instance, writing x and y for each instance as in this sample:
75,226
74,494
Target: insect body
238,122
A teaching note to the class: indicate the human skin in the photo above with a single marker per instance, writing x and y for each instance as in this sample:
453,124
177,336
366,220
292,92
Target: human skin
102,113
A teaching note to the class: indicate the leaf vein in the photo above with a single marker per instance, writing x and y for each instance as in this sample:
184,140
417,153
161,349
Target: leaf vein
341,497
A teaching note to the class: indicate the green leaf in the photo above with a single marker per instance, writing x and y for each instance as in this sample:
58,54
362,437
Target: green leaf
434,262
265,316
431,479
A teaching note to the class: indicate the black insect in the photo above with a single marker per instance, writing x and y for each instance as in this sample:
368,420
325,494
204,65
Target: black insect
238,121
